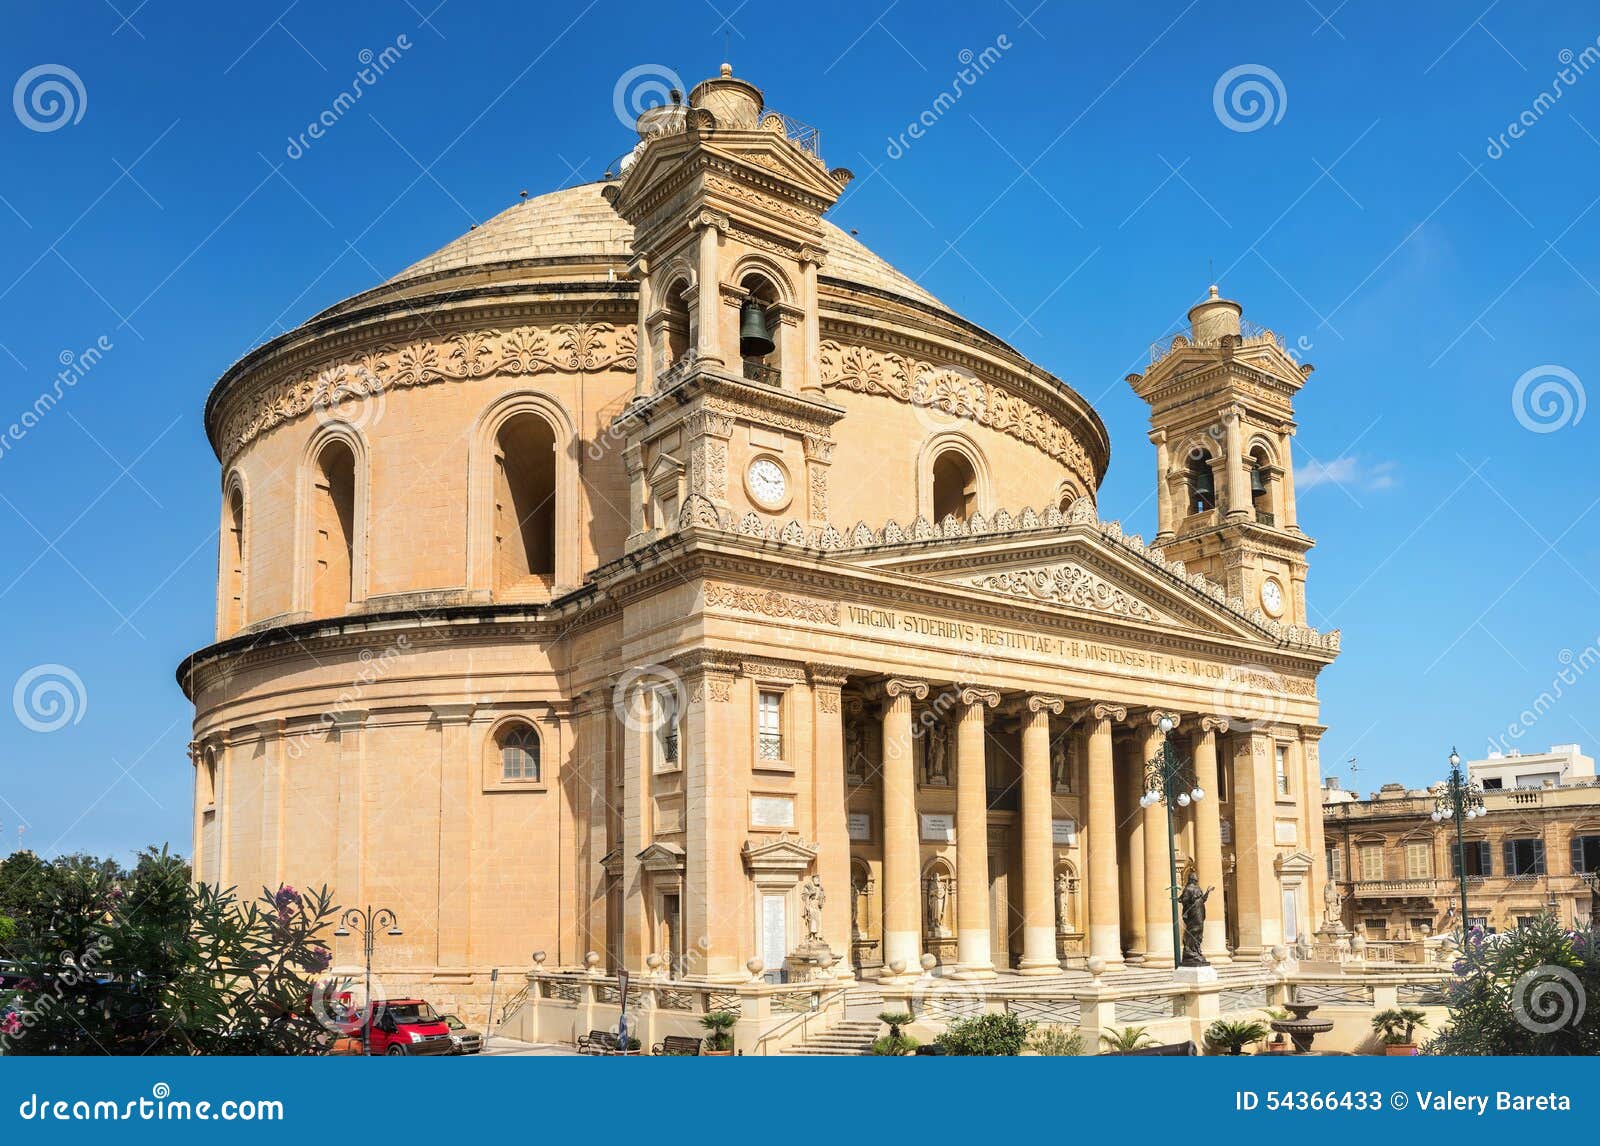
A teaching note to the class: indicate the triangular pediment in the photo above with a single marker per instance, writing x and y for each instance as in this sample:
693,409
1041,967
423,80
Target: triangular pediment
786,853
662,857
1077,571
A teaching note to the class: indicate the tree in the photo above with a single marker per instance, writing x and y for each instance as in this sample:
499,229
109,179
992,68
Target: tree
144,961
1530,991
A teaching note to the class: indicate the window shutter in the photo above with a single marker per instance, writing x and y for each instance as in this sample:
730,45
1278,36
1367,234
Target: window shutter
1508,849
1485,858
1455,860
1577,854
1538,857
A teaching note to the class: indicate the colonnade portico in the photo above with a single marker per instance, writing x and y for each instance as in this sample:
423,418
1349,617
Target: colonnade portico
969,710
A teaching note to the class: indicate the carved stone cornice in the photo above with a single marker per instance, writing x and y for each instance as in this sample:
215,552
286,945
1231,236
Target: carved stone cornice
957,393
771,603
1066,584
427,359
827,675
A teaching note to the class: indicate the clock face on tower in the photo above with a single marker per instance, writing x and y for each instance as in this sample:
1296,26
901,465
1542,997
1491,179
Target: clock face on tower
1272,596
768,484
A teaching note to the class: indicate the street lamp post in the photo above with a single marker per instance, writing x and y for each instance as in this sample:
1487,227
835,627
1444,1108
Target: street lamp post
368,920
1166,781
1460,799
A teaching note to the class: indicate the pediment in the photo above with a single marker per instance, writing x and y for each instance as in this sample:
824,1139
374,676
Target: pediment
662,858
786,853
1077,572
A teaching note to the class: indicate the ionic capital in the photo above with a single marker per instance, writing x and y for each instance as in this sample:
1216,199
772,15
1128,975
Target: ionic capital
899,686
979,696
1042,702
1153,717
1098,710
1213,724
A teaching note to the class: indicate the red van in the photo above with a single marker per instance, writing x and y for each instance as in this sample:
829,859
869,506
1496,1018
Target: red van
408,1026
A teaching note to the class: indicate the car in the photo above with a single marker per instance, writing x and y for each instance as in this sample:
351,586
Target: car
466,1040
407,1027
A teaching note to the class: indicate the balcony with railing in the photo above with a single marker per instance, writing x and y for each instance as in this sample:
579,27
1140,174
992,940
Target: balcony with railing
1395,888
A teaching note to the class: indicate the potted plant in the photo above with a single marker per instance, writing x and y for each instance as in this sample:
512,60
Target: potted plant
894,1043
1233,1035
1126,1039
720,1024
1397,1028
1280,1041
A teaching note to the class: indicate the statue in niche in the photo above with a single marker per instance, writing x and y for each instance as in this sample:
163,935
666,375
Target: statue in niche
1060,766
1193,901
937,752
1064,920
938,901
855,748
857,891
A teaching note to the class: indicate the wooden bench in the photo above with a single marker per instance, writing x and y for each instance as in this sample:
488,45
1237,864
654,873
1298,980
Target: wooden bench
597,1042
677,1045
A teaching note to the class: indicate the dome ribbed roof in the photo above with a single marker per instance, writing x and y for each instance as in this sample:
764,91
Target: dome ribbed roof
578,223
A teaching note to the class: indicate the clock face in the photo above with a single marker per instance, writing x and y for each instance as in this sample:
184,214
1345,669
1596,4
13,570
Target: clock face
768,483
1272,596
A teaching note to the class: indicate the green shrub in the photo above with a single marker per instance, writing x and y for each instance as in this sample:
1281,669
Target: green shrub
1126,1039
893,1045
1233,1035
720,1024
1524,993
895,1020
986,1035
1062,1042
1398,1026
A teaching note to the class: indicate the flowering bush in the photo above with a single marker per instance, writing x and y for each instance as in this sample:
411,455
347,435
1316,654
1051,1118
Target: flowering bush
144,961
1531,991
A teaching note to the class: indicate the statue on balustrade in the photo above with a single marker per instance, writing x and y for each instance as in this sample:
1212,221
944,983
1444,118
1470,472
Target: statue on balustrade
1193,901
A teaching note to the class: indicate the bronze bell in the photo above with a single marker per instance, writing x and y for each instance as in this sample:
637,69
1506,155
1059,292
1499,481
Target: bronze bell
1204,492
755,340
1258,481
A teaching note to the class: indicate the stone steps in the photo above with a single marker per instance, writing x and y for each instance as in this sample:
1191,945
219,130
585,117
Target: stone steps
850,1037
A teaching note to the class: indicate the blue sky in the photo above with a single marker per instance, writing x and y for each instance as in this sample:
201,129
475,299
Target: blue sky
1075,200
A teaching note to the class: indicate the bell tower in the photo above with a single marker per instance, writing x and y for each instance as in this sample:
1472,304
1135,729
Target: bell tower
726,199
1222,418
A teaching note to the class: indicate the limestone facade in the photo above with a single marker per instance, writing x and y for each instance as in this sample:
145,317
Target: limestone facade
556,618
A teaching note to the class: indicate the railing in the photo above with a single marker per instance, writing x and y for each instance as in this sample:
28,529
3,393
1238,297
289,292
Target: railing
1395,888
760,372
798,1025
802,135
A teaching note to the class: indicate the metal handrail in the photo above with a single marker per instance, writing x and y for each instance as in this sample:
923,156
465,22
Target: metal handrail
825,1004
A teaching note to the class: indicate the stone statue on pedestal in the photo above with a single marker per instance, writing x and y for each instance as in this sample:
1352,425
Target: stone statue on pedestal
938,896
1193,901
1332,903
1063,903
1060,766
938,766
811,900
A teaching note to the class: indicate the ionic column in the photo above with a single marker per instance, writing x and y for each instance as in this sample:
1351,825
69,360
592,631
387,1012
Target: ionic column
1208,837
1238,477
708,291
644,375
1157,862
811,259
829,815
1164,513
972,837
1290,517
901,878
1038,847
1105,924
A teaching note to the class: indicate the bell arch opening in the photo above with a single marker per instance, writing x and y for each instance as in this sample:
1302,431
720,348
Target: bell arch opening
955,486
524,501
333,528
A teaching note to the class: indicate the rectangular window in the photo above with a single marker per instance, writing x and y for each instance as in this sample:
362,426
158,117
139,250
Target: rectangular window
1378,929
769,726
1419,861
1524,857
1526,920
1585,853
1493,784
1478,861
1421,925
667,729
1335,865
1282,758
1371,862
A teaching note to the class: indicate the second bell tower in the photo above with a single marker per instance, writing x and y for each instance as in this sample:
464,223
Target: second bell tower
1222,418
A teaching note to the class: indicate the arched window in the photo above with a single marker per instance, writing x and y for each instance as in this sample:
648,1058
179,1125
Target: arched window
759,342
233,557
955,486
334,528
525,501
1202,485
677,327
519,753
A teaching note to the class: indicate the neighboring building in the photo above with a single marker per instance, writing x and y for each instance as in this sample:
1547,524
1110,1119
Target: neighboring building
1535,851
656,572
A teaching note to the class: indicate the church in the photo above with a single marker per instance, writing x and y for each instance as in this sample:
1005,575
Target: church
654,578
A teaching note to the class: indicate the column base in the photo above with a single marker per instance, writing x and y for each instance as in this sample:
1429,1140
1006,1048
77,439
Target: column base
974,972
1027,968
